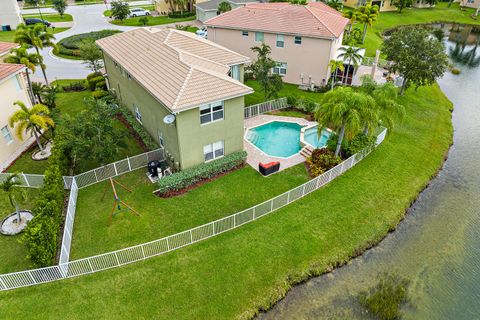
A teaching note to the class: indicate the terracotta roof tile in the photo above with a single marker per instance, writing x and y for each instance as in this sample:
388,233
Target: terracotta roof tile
8,69
6,46
315,19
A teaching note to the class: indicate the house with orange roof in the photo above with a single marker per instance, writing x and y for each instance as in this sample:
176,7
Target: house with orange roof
187,92
303,38
13,87
5,48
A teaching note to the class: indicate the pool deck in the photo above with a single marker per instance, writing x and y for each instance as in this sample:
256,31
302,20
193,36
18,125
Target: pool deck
255,155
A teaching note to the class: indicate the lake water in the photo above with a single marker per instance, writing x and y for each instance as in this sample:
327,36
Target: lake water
437,246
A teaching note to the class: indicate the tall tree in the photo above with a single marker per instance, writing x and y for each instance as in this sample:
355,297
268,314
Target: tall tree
335,65
417,56
401,4
367,15
31,120
38,37
271,83
223,7
352,16
335,4
91,55
39,90
350,55
345,111
120,10
29,60
60,6
12,187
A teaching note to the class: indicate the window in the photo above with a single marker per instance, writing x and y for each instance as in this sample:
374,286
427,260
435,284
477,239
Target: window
160,138
235,72
245,33
298,40
211,112
280,68
259,36
138,115
280,42
18,83
129,76
7,135
213,151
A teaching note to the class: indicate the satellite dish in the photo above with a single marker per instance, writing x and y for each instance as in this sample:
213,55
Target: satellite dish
169,119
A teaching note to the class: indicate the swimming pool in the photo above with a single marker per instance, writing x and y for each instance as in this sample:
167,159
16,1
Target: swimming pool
276,138
311,137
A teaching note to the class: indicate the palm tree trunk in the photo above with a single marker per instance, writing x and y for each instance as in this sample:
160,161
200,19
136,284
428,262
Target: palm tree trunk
404,86
29,82
37,138
42,65
17,209
347,71
339,140
477,11
364,32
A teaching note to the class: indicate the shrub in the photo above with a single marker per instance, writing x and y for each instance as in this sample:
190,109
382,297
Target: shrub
93,75
321,160
101,85
360,143
74,87
98,94
92,82
70,45
332,143
180,14
183,179
384,299
455,71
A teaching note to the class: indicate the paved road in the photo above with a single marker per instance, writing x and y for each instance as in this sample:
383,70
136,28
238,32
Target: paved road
86,18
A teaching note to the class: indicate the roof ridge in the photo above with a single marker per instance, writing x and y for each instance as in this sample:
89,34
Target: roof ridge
183,52
182,89
319,20
220,75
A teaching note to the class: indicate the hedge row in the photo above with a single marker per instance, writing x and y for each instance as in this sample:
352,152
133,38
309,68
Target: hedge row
183,179
41,236
181,14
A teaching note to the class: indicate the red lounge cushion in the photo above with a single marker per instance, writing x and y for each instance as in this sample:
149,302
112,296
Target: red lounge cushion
268,165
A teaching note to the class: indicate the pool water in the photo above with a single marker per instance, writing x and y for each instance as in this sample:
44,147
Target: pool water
277,139
312,138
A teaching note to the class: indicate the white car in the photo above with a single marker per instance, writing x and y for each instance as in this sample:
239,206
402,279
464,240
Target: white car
202,33
138,12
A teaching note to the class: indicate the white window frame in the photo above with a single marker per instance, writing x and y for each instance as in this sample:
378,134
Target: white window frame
216,149
280,42
212,113
297,40
257,36
138,114
279,67
235,72
18,82
7,135
244,33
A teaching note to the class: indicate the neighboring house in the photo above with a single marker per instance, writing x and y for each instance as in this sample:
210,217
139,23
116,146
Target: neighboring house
208,9
303,38
165,6
5,48
9,14
159,72
12,88
383,5
470,3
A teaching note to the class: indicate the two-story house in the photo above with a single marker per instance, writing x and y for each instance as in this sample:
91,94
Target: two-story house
186,91
303,38
13,87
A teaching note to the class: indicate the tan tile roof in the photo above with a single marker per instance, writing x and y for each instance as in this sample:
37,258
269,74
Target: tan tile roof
179,68
315,19
6,46
8,69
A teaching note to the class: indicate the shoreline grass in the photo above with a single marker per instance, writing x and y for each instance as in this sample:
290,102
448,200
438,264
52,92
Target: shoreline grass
240,272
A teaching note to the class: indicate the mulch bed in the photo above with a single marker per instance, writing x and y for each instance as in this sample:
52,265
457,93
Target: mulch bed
175,193
132,131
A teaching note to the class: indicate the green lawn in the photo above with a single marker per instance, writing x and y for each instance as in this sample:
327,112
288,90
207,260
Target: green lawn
51,17
440,13
152,21
108,13
287,90
161,217
12,253
9,35
236,273
72,103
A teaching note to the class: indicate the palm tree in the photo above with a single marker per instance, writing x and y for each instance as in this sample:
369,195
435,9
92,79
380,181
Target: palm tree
32,120
223,7
29,60
352,16
335,4
335,65
367,15
350,55
345,111
11,186
39,90
35,36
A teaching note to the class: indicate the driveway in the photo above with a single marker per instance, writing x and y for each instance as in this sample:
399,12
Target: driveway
86,18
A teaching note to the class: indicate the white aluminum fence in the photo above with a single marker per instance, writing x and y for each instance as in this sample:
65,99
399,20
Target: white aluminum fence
176,241
117,168
265,107
35,180
68,228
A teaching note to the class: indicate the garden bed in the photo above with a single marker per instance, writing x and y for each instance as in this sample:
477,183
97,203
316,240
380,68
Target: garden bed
68,47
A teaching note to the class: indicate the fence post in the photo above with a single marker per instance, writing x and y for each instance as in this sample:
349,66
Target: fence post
191,236
254,213
25,178
33,279
95,172
168,244
143,252
116,257
115,167
90,264
303,190
129,166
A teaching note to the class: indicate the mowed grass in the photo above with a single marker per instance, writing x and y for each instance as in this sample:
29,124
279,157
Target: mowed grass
152,21
440,13
12,252
236,273
288,90
8,36
160,217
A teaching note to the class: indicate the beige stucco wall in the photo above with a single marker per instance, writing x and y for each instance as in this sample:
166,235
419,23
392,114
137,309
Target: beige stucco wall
309,59
384,5
162,6
9,93
10,13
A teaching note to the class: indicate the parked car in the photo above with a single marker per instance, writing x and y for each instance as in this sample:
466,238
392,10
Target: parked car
202,32
31,21
138,12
